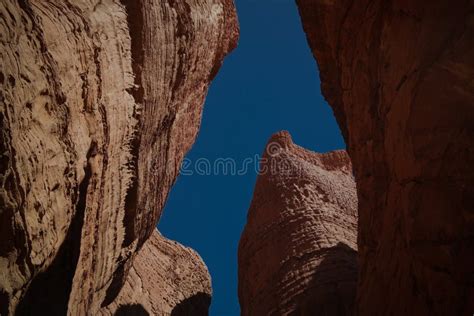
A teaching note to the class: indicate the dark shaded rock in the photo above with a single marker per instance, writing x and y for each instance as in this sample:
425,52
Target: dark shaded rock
398,75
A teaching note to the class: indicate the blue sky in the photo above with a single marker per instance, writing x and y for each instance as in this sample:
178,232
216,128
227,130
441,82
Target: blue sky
269,83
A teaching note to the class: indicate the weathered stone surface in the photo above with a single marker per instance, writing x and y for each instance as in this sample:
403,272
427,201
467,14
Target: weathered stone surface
100,100
166,279
399,76
297,253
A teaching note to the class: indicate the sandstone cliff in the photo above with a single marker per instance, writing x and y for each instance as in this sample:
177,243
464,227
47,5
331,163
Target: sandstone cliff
297,253
99,101
165,279
399,76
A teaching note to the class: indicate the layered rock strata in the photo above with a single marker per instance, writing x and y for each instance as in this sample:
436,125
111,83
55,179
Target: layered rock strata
166,279
399,77
297,253
100,100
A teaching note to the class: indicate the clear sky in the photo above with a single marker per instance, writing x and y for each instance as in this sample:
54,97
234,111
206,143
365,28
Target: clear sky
269,83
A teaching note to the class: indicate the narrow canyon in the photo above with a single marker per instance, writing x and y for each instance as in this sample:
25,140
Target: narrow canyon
399,78
100,101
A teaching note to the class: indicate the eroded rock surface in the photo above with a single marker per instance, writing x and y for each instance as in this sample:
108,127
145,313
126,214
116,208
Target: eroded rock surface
297,253
100,100
166,279
399,76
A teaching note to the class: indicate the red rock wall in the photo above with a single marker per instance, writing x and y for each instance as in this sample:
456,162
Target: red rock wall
399,76
100,100
297,253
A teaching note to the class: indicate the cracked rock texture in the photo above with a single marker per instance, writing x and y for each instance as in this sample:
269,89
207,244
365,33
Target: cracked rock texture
297,254
100,100
399,76
166,279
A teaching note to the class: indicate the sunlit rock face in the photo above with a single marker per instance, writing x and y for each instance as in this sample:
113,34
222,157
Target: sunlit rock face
297,254
166,279
399,77
100,100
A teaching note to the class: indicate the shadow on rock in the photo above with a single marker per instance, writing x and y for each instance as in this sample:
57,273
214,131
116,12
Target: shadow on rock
332,289
197,305
131,310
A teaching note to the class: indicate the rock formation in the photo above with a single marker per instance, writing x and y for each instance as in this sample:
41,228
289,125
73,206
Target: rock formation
165,279
297,253
399,77
100,100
